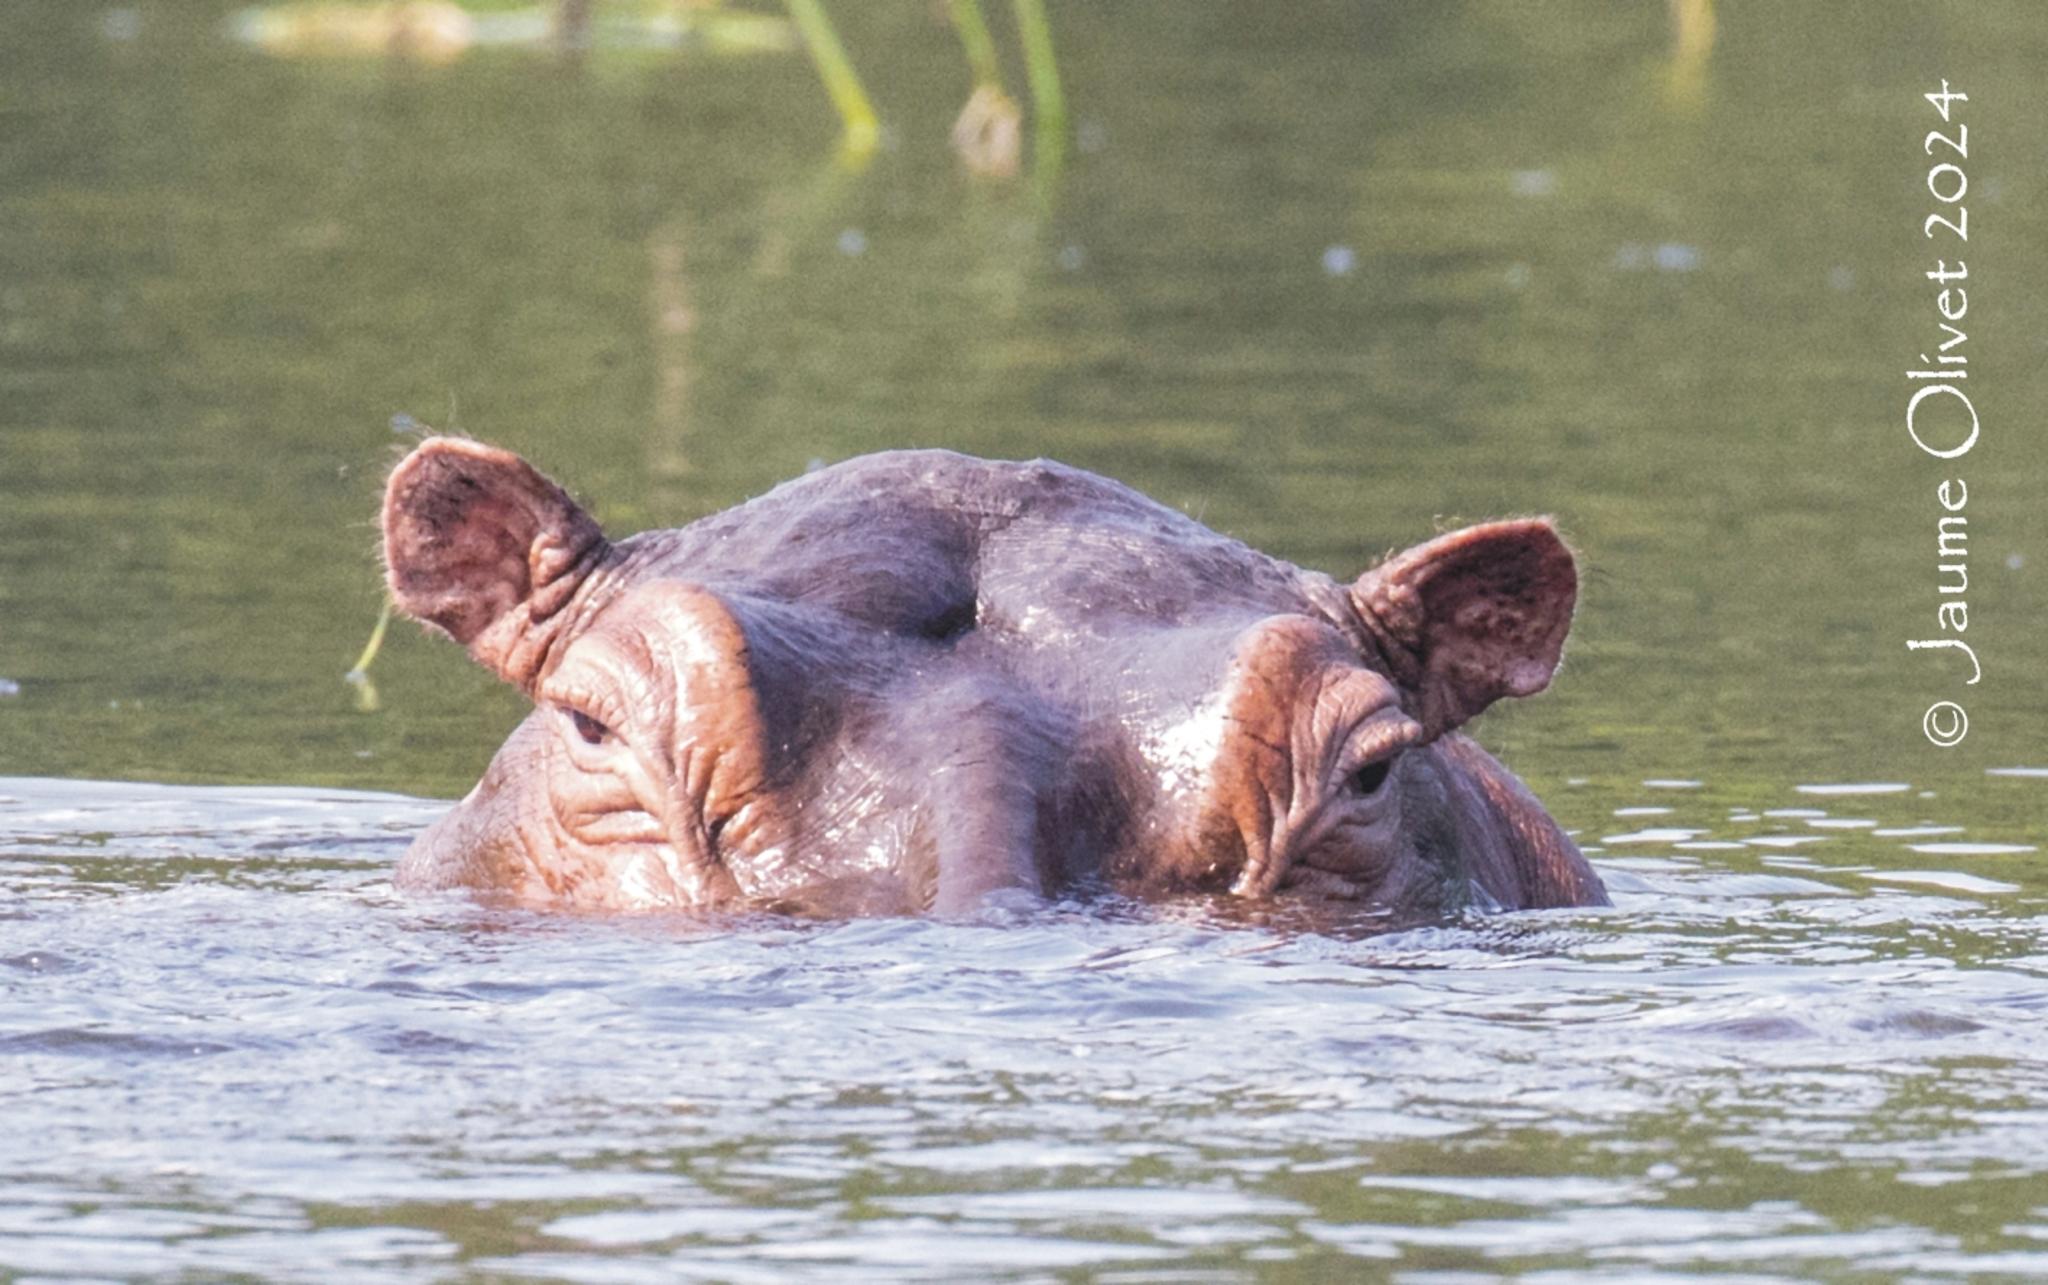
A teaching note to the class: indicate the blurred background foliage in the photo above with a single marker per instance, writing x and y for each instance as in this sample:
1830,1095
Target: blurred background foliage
1329,275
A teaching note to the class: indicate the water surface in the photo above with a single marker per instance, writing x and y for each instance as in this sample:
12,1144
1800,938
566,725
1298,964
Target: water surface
231,1049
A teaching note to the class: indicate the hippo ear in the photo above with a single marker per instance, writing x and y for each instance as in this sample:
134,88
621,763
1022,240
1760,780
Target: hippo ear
1472,616
478,544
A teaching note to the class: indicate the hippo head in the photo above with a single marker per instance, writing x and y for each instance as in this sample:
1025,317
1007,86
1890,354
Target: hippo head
918,680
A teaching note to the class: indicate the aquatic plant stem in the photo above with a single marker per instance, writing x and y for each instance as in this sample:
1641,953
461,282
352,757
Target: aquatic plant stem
979,45
358,676
572,29
1692,44
861,131
1049,106
361,669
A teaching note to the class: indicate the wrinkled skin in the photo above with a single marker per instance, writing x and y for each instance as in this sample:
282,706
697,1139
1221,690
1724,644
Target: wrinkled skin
921,681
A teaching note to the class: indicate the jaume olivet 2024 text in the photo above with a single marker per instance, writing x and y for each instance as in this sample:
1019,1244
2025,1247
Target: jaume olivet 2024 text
1940,417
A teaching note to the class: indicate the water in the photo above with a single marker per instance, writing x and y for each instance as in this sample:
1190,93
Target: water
232,1049
1321,278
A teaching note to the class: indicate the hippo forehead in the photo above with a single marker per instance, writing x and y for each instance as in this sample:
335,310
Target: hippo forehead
930,590
932,544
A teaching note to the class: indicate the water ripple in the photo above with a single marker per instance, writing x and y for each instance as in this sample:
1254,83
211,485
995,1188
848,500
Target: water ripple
1092,1089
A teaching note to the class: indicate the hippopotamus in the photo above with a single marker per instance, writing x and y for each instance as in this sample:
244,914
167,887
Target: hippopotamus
918,682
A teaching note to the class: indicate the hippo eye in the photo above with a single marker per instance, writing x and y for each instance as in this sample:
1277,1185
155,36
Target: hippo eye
592,731
1366,781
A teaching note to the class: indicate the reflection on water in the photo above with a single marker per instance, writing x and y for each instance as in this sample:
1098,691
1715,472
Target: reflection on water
231,1049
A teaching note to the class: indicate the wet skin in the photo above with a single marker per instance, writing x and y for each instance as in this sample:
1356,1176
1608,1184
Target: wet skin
922,681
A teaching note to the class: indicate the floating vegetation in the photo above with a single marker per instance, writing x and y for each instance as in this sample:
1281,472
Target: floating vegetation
987,134
439,31
989,131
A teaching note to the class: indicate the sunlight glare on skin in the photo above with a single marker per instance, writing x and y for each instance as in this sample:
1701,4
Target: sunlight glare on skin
637,882
1185,751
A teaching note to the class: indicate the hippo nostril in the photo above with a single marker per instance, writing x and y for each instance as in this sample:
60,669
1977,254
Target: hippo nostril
1368,779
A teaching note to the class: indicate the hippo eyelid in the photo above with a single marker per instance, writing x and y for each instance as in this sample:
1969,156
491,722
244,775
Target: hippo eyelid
1370,750
589,729
582,731
589,722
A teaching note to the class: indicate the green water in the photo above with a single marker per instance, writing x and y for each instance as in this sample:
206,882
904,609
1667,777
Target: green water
1329,276
223,275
